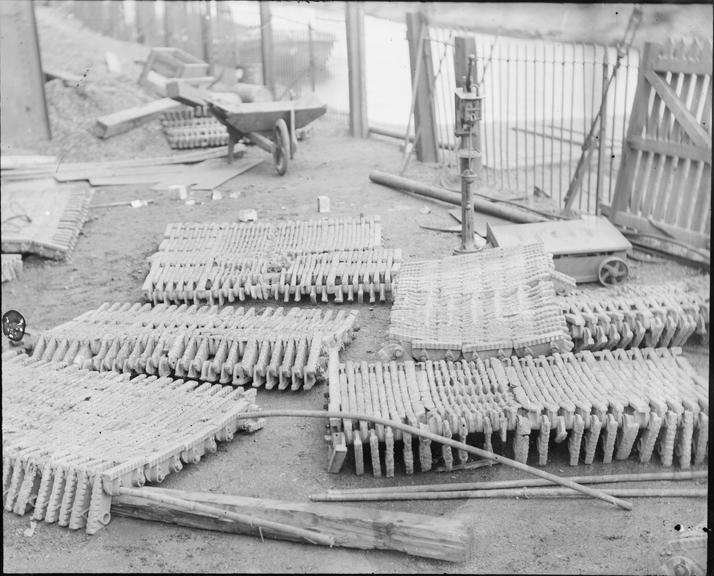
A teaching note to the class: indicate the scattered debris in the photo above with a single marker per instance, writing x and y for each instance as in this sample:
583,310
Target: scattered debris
425,210
30,532
323,203
132,203
274,348
73,459
11,266
247,215
436,537
177,192
216,195
341,257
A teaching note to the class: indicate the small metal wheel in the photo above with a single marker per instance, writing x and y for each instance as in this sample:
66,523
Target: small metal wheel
281,151
612,271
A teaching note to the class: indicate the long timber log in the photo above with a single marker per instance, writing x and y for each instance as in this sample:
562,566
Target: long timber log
350,527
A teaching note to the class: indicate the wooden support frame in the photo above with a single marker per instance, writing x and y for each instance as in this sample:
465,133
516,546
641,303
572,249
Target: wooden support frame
357,77
427,146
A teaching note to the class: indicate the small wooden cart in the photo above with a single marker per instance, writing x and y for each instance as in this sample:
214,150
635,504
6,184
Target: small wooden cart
589,249
270,125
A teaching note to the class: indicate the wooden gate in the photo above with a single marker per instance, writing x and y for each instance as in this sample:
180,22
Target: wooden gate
663,188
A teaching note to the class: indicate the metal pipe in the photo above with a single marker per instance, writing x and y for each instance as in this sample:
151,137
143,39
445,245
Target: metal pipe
468,182
441,440
485,206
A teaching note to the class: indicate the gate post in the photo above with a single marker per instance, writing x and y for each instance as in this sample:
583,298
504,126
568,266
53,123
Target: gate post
426,143
354,22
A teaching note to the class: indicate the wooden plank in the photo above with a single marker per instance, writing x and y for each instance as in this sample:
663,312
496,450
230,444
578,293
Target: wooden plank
679,66
427,146
643,225
207,175
354,22
671,148
353,527
697,134
185,93
23,113
125,120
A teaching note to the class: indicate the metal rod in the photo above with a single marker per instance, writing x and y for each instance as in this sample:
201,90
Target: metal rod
514,493
468,179
602,135
441,440
562,124
502,171
572,112
508,116
552,117
515,92
611,156
583,152
525,116
543,119
531,482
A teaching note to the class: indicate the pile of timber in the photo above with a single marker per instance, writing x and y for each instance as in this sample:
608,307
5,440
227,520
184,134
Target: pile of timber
11,266
629,316
496,302
193,128
71,437
238,346
339,257
616,400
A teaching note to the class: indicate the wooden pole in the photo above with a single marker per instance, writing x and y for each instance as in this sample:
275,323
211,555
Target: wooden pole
487,207
436,537
515,493
253,522
207,34
442,440
528,483
427,147
266,46
602,136
356,72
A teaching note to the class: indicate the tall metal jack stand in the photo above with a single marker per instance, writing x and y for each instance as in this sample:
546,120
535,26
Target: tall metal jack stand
468,114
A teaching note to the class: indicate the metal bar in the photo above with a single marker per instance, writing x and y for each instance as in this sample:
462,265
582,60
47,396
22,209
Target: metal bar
562,123
552,116
525,117
543,117
492,108
500,126
586,166
611,158
572,112
535,116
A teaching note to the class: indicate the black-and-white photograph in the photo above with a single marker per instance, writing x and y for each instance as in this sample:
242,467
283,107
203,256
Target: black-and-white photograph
355,287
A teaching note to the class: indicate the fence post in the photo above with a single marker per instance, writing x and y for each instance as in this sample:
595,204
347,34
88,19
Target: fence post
354,21
602,136
206,34
638,116
266,46
426,143
312,56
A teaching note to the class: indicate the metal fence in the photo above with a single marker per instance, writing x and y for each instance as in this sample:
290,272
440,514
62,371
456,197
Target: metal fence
540,99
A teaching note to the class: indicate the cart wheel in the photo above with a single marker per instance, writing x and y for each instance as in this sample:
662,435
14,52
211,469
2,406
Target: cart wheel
281,152
612,271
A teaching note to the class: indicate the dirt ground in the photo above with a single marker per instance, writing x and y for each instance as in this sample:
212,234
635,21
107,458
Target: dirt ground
286,460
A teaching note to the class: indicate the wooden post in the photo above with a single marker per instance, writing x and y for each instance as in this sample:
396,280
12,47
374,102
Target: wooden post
602,137
266,46
23,113
626,172
354,21
207,34
427,148
463,48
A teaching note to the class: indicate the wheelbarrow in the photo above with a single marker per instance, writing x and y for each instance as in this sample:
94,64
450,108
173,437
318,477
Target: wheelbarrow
271,126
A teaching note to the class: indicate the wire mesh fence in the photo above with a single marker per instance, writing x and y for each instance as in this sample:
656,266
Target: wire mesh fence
539,103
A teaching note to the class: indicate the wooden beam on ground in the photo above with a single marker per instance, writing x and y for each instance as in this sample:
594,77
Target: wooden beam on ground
125,120
357,77
440,538
427,146
68,78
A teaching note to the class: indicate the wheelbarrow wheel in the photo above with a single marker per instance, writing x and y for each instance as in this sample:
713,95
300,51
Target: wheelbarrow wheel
281,152
612,271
